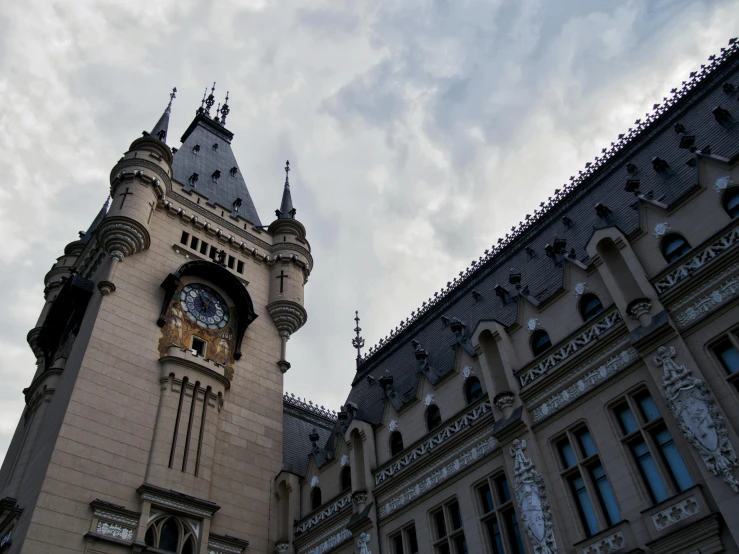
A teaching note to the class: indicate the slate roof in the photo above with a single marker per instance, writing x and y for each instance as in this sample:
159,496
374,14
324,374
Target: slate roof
87,235
206,149
299,418
602,182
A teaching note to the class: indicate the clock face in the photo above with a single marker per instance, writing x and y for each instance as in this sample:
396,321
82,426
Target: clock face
204,306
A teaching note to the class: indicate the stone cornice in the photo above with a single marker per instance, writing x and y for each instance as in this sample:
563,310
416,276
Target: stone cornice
431,443
175,355
177,501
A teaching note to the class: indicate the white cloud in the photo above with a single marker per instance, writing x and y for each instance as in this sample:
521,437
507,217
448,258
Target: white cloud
419,132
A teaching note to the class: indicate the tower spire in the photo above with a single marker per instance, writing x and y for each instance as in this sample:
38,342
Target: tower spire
286,208
358,341
160,129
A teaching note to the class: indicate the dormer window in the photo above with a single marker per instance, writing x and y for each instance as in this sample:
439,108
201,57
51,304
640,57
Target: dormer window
215,146
233,171
193,179
196,149
216,175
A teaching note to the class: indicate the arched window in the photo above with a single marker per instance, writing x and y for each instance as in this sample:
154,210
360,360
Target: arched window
673,246
171,534
730,202
315,498
540,342
590,306
433,417
472,390
346,478
396,443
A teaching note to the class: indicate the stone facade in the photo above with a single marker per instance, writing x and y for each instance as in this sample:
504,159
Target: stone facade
576,390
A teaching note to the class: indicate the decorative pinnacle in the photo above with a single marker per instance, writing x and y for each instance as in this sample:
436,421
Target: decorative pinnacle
358,341
225,110
210,100
202,102
218,110
287,173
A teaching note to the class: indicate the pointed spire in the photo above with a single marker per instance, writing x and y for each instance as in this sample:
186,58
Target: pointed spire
87,235
210,100
358,341
201,109
286,210
225,110
160,129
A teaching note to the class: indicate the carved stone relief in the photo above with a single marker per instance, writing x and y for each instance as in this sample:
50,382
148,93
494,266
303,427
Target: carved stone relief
362,542
606,545
674,513
532,501
695,410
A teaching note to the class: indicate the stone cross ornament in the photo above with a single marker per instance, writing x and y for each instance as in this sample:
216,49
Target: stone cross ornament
532,500
695,411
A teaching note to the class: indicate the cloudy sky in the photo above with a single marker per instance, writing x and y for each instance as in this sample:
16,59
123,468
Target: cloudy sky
418,131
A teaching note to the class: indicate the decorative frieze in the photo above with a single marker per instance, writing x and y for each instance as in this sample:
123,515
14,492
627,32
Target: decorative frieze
675,513
707,303
606,545
114,521
433,442
328,511
687,268
330,543
592,379
114,530
695,411
573,346
532,500
419,485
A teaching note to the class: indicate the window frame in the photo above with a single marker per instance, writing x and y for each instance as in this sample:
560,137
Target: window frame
404,534
730,336
315,491
729,194
582,468
581,306
451,534
395,433
468,383
346,470
645,433
499,515
534,335
665,242
429,409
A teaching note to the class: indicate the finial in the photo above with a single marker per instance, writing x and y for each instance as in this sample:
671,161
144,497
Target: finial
202,102
218,110
211,99
172,96
287,173
225,110
358,341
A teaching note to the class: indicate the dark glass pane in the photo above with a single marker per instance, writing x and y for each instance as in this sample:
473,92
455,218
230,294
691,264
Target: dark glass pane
605,494
674,459
433,417
412,541
444,549
184,237
584,506
149,537
590,306
455,516
732,204
514,532
626,419
674,247
169,535
396,443
398,544
496,538
649,471
346,479
502,485
647,407
315,498
727,353
473,390
439,524
585,440
566,453
188,548
540,342
486,498
203,247
460,545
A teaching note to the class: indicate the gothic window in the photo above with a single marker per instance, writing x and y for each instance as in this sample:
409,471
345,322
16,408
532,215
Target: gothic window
472,390
730,202
404,541
346,479
590,306
540,342
673,246
171,534
315,498
396,443
433,417
645,435
498,517
448,535
726,352
583,472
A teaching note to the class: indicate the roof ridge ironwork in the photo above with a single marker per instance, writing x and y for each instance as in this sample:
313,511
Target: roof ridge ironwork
607,154
307,405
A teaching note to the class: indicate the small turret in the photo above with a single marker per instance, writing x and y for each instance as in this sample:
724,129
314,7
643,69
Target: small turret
139,179
289,270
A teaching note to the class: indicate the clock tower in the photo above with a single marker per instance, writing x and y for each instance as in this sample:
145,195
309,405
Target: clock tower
154,417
